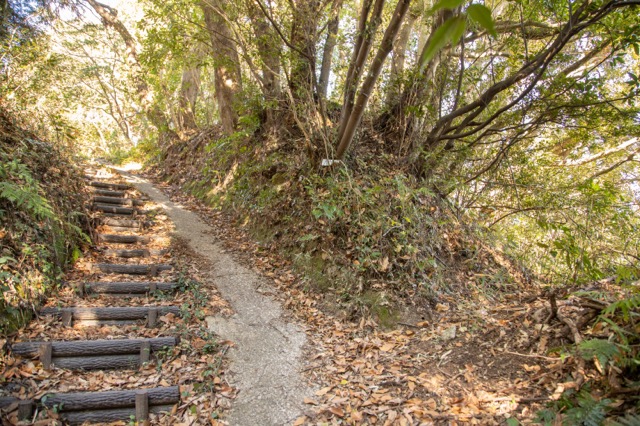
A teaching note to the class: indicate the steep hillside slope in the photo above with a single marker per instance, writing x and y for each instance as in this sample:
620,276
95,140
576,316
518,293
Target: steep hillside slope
41,220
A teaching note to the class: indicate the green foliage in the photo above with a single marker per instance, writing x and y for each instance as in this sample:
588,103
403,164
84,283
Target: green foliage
40,221
20,188
588,411
449,32
453,28
626,306
628,420
601,349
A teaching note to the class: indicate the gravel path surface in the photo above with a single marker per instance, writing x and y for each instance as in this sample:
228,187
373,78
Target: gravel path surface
267,358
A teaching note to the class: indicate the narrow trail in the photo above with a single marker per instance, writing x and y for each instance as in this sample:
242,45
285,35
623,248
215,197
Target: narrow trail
267,358
116,343
113,309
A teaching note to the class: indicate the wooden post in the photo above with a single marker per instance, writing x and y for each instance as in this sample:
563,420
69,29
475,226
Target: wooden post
80,290
153,270
142,407
145,352
25,410
153,287
152,317
67,318
46,353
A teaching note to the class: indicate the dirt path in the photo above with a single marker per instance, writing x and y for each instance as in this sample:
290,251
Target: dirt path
267,358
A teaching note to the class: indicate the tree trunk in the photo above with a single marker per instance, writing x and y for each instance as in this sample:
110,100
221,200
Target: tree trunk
398,58
329,46
189,88
228,77
303,39
366,30
367,87
269,48
396,123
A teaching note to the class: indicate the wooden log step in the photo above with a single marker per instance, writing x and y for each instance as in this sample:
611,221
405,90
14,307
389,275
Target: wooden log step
101,362
111,313
79,348
109,193
107,185
151,270
123,223
6,401
119,229
113,209
128,254
117,201
78,401
127,287
108,415
123,239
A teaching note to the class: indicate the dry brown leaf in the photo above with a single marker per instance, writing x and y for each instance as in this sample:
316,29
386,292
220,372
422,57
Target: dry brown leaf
337,411
300,421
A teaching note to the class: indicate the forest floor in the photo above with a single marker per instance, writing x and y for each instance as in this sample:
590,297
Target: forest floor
468,363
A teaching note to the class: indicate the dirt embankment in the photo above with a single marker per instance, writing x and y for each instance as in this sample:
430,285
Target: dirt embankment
42,220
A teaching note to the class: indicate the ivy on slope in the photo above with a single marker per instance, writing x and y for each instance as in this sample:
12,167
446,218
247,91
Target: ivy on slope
41,221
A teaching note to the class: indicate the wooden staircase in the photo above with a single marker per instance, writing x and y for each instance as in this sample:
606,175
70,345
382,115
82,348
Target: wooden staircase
119,213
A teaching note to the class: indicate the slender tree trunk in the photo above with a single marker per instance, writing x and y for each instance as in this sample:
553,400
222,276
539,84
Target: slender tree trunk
399,57
228,78
145,96
395,122
366,31
270,49
329,46
376,67
303,38
189,89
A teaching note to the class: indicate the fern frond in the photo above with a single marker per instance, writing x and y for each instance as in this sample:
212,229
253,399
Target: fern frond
625,306
628,420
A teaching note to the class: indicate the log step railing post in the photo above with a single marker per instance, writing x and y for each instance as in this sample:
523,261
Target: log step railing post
145,352
152,317
46,354
67,318
25,410
142,407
